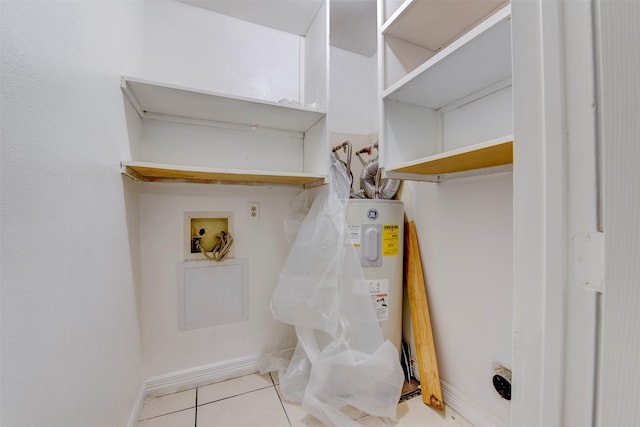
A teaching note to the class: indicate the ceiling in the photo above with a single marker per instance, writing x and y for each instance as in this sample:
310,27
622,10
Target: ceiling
354,26
353,22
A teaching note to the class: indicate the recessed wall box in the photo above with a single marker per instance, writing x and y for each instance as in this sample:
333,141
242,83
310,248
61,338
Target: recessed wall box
201,230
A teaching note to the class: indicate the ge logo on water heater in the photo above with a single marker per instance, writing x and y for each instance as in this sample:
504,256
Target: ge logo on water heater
372,214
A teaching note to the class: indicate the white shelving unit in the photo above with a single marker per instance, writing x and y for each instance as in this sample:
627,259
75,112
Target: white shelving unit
438,22
157,101
455,105
169,102
192,135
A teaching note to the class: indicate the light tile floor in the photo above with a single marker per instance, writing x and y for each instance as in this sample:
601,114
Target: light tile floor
254,400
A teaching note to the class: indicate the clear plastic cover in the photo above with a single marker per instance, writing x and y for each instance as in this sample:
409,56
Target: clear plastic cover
341,359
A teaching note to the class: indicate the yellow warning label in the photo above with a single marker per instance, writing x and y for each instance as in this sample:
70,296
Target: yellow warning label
390,239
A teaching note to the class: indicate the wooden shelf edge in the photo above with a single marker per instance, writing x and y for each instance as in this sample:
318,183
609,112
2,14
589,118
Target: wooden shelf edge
490,154
155,172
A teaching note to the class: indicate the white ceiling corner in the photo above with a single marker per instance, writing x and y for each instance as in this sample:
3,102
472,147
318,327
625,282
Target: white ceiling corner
353,22
291,16
354,26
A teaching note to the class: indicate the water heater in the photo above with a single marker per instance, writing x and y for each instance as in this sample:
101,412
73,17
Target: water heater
377,231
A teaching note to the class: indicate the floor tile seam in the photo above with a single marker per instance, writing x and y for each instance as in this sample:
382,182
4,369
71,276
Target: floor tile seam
195,417
168,413
207,384
236,395
169,394
274,381
286,414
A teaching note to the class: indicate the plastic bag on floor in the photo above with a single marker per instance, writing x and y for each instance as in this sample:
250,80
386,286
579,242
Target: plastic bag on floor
341,358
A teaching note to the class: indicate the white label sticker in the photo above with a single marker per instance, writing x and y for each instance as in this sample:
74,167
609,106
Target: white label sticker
379,291
354,235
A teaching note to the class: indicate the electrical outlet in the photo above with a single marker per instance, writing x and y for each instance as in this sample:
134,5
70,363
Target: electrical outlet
254,210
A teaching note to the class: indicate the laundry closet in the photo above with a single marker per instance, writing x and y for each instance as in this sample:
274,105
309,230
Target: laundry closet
267,108
137,131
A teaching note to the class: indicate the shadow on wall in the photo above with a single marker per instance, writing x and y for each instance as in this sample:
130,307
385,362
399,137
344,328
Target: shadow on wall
131,190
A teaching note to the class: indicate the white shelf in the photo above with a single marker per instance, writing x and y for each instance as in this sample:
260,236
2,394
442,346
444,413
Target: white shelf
161,101
474,159
168,102
434,24
478,59
155,172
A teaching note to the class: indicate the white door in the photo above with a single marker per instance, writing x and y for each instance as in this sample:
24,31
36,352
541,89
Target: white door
576,180
557,237
617,38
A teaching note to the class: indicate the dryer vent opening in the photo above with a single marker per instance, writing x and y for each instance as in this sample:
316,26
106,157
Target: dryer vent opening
502,381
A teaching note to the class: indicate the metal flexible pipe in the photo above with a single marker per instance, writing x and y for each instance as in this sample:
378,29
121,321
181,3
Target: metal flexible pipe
373,186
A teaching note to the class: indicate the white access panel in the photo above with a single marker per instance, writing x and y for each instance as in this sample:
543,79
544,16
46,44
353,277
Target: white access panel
212,293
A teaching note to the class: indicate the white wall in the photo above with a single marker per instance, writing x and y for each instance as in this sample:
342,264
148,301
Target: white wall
353,101
195,47
71,351
353,105
464,231
262,242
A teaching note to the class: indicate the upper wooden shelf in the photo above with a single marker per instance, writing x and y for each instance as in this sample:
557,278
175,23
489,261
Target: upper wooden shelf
434,24
475,158
475,61
154,172
169,102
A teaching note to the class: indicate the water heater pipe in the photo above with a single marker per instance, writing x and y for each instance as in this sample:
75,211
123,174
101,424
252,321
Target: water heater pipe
373,185
346,147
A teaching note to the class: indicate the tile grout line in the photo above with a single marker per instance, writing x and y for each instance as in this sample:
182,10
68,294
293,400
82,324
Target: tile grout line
196,415
280,399
236,395
168,413
170,394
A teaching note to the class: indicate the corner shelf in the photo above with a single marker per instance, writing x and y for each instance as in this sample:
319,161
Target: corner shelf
459,96
490,156
169,102
155,172
165,102
433,24
448,75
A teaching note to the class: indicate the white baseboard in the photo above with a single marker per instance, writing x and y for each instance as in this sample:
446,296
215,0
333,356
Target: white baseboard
201,375
468,409
137,407
220,371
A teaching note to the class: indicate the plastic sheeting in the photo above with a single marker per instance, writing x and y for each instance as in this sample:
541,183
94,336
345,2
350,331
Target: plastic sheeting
341,359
